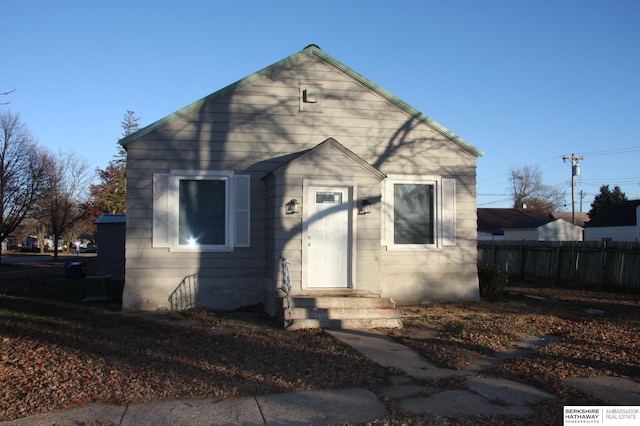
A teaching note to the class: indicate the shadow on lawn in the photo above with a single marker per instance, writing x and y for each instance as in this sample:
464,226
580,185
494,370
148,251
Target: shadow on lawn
211,354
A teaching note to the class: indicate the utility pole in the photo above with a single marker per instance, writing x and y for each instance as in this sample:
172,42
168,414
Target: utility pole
575,171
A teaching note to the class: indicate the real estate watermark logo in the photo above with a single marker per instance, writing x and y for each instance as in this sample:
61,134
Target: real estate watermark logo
610,415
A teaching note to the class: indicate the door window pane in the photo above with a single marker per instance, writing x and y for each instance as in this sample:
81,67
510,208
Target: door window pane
413,213
201,215
323,197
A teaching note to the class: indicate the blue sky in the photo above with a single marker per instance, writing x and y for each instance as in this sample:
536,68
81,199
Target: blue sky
527,82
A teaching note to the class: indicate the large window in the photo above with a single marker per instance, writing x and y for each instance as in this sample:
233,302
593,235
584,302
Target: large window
418,212
201,210
413,212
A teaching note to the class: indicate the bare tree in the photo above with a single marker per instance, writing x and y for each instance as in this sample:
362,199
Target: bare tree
23,171
67,187
527,188
73,232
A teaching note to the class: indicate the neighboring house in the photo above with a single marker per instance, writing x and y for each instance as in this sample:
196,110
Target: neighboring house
580,218
616,222
305,173
526,224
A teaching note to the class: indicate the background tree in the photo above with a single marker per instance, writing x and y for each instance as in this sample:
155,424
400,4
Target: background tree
540,204
23,172
527,188
62,205
129,124
109,195
606,198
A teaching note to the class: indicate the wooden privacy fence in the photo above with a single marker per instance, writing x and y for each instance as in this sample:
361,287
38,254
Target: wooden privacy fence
603,264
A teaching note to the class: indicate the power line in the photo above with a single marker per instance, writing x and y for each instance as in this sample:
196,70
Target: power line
504,200
613,151
504,179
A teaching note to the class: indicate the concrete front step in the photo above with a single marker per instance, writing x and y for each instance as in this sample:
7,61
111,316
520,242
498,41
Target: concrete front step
347,324
339,312
337,302
342,313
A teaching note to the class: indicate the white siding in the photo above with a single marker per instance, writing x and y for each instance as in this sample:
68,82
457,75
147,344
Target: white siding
613,233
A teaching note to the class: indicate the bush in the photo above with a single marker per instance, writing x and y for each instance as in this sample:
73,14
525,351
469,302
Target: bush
492,280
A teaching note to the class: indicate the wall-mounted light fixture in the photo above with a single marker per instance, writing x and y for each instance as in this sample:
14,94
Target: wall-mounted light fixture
365,207
292,206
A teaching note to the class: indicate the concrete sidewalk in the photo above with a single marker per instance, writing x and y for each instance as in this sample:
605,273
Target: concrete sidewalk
302,408
479,395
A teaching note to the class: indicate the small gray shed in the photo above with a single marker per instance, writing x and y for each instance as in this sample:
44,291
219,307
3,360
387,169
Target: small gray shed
110,237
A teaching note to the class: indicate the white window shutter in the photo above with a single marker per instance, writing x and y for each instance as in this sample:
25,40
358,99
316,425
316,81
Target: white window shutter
242,194
160,235
448,212
386,212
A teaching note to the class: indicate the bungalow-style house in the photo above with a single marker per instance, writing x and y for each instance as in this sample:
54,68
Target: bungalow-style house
526,224
616,222
302,181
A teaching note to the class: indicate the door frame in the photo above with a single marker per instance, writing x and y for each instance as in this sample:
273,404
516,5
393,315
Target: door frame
307,200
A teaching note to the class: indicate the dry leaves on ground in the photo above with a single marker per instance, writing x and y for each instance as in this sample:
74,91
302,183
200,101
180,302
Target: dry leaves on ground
56,353
597,335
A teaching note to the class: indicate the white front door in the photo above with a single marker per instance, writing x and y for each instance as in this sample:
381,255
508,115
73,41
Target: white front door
327,237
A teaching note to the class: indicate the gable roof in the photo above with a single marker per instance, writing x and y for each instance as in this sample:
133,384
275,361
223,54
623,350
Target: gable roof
580,217
622,213
331,143
312,49
494,221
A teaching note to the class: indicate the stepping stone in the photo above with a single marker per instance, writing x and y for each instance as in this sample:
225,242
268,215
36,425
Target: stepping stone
495,389
461,403
406,391
614,390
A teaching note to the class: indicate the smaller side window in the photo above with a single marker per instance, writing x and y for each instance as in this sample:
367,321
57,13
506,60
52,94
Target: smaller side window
413,214
419,212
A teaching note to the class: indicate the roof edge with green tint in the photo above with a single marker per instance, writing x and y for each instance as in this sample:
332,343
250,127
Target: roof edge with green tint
399,103
311,49
215,95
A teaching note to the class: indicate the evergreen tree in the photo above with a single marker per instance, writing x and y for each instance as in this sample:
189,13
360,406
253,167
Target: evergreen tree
605,198
110,194
129,125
